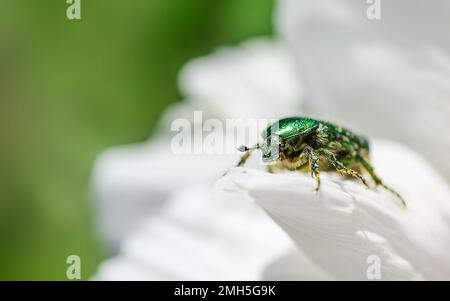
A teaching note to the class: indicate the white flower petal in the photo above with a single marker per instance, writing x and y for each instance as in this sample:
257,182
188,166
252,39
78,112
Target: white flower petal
198,237
134,182
343,224
258,79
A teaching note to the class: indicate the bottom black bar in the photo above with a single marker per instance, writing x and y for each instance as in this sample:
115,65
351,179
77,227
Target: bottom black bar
210,290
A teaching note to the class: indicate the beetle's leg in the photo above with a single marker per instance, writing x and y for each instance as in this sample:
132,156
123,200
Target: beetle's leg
341,168
367,166
314,165
244,158
247,152
271,168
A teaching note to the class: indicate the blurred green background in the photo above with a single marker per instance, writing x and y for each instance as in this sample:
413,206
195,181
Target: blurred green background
70,89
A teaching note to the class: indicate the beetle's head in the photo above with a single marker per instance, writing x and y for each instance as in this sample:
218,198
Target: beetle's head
270,148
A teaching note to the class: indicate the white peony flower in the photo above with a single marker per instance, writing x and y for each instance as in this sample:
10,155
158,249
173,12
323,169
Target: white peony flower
385,78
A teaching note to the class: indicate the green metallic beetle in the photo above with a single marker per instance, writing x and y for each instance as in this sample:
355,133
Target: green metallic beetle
292,143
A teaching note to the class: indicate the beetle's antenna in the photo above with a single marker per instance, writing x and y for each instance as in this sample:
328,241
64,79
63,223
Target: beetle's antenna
244,148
